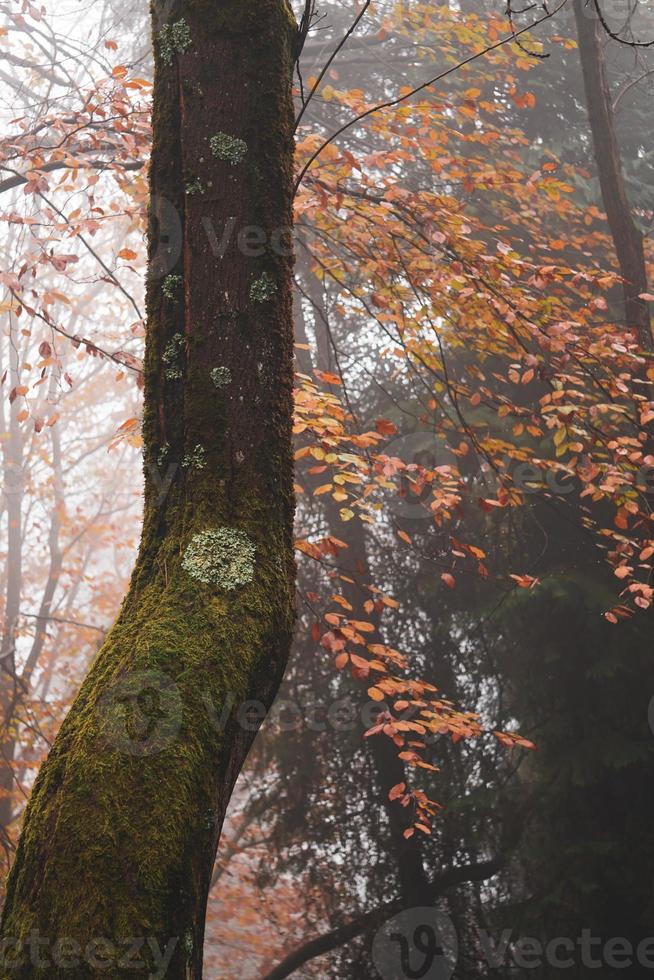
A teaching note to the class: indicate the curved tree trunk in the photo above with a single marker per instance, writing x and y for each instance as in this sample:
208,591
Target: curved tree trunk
122,827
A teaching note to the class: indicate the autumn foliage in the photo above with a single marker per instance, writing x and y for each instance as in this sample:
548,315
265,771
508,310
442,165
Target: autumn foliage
482,303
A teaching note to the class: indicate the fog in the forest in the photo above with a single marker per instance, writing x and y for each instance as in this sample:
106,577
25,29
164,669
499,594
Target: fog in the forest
437,243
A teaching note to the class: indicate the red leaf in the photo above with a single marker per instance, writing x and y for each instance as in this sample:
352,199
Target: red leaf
385,427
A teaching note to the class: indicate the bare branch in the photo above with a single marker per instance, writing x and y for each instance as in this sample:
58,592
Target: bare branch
331,60
337,937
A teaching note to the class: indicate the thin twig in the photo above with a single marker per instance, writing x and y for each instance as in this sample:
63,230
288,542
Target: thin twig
330,62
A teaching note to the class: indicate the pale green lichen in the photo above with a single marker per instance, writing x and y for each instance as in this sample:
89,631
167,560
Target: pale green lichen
173,348
196,459
222,556
221,377
174,39
170,286
194,186
171,356
163,454
229,148
263,288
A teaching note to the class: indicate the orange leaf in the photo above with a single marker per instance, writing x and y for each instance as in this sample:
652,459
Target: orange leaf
385,428
330,379
363,627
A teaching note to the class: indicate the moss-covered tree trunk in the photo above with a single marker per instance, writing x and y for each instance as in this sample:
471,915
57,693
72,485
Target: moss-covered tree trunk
122,827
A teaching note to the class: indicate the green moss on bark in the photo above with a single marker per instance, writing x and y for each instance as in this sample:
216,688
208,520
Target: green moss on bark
116,835
116,842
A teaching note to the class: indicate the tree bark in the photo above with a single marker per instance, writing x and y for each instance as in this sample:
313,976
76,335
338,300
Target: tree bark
121,830
627,237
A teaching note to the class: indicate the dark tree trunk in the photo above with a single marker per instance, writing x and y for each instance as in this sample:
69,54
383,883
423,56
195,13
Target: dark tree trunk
626,235
413,885
122,827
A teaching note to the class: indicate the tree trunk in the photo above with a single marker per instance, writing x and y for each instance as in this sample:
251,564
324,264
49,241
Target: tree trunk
122,827
627,237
